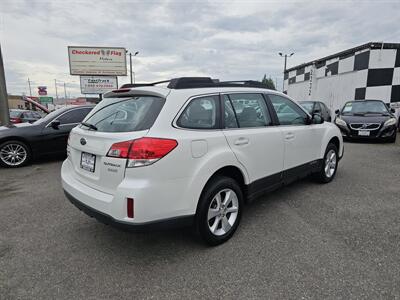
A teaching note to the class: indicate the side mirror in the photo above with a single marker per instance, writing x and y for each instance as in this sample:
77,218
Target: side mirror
392,110
55,124
337,111
317,119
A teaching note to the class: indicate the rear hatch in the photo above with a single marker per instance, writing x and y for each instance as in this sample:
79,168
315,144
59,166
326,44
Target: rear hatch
114,121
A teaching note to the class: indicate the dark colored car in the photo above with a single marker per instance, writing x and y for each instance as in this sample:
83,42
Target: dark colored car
24,116
19,143
317,107
367,119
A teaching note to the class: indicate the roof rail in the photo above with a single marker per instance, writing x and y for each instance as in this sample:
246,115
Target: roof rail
199,82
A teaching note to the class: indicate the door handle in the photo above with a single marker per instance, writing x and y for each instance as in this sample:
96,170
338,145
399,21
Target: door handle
289,136
241,141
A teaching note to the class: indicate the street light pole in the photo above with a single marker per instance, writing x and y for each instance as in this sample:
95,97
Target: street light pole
130,63
4,113
284,68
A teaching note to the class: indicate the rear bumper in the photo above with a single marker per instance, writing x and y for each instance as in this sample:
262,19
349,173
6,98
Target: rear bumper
182,221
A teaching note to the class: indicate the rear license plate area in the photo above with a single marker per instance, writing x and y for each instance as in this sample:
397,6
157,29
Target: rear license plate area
88,162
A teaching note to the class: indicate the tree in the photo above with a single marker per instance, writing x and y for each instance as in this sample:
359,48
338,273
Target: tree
268,82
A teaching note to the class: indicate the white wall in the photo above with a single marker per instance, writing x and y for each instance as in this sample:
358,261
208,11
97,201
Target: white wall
334,90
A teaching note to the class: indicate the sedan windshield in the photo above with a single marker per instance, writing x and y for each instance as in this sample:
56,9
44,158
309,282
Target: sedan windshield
308,106
365,107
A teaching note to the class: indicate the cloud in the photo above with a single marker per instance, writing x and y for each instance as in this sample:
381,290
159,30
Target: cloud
223,39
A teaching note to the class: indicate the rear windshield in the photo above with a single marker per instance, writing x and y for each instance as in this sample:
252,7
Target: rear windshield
127,114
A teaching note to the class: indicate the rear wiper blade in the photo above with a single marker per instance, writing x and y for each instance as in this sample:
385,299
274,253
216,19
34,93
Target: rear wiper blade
91,126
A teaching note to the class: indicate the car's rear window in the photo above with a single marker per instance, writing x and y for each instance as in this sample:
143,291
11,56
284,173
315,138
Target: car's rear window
128,114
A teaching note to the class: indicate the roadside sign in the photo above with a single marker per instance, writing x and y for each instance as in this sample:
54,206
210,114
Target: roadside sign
46,100
97,61
42,90
98,84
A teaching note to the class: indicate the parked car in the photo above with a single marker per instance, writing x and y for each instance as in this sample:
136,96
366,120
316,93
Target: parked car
317,107
19,143
23,116
367,119
192,153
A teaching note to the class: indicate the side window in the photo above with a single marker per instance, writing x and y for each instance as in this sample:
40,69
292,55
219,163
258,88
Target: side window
201,113
74,116
250,110
230,115
317,108
287,111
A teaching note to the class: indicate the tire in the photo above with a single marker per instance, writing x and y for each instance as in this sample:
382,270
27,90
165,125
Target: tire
224,217
21,154
392,139
326,174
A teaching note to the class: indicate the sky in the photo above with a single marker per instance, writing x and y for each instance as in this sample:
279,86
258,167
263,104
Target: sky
229,40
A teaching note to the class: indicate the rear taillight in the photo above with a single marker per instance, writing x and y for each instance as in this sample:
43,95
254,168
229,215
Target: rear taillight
142,152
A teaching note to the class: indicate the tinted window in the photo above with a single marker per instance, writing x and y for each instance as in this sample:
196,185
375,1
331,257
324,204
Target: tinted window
250,110
317,108
74,116
201,113
287,111
230,116
132,114
15,114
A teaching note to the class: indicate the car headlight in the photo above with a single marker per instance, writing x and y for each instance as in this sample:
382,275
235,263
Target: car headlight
390,122
340,122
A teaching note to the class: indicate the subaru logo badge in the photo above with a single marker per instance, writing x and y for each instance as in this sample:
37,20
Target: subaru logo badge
83,141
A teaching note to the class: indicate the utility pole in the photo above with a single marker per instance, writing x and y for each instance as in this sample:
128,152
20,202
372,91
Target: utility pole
30,89
65,91
55,83
284,68
4,112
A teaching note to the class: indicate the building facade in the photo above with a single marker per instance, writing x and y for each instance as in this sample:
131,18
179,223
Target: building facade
369,71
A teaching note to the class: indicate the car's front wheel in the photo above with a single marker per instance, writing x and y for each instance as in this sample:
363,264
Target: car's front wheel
329,164
219,210
14,154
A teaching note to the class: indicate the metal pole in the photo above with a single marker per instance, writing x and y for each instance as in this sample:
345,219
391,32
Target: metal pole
65,91
55,83
30,90
130,63
284,71
4,112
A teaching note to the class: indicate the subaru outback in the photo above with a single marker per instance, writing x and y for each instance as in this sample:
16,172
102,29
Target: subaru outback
192,151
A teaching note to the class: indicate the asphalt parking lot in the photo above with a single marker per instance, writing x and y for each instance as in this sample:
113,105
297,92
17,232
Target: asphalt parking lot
340,240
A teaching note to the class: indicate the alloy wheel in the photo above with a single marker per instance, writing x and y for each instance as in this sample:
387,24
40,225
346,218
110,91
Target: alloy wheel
13,154
223,212
330,163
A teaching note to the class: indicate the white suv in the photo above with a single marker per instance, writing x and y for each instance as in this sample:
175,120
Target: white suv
192,153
